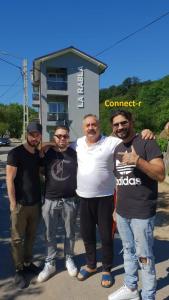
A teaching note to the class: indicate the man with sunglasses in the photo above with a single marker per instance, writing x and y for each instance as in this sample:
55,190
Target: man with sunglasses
23,184
60,164
138,168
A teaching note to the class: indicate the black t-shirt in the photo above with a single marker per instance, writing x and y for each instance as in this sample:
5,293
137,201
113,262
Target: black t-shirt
27,180
137,192
60,173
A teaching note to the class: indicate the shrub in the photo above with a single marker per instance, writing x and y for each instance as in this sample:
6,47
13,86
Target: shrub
162,144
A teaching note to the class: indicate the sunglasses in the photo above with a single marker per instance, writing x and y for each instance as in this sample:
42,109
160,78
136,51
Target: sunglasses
60,136
123,123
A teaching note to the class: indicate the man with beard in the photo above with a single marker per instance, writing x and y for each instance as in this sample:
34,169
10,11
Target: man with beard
138,168
60,164
23,184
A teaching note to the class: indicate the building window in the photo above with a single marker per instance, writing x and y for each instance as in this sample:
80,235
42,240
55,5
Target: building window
57,80
35,95
56,107
57,111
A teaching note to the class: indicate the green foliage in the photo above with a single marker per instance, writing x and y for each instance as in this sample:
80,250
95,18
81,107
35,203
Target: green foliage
163,143
153,112
11,117
3,128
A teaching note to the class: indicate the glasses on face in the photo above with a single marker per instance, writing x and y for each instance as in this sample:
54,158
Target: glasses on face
122,123
61,136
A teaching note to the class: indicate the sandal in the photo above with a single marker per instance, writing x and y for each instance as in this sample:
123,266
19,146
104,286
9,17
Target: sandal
85,274
107,277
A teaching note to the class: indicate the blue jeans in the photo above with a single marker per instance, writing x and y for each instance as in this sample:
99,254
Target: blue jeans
137,240
51,212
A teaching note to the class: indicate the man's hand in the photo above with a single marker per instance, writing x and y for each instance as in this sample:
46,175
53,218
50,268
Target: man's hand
12,205
129,158
147,134
114,215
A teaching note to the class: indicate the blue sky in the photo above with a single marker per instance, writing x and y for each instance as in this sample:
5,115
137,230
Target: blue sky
29,29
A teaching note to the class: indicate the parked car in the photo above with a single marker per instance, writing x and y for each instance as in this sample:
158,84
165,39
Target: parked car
4,141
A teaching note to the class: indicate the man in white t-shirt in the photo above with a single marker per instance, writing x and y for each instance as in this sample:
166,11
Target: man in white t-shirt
95,186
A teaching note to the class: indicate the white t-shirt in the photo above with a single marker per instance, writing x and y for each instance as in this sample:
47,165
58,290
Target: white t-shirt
95,176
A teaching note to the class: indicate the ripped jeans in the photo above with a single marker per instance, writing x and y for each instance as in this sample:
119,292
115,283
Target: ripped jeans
137,240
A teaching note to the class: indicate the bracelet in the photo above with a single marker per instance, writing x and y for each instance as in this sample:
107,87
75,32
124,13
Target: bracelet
138,157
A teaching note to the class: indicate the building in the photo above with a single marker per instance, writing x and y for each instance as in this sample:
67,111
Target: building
65,88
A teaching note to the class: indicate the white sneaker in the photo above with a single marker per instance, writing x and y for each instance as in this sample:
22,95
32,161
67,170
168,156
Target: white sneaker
48,270
71,267
124,293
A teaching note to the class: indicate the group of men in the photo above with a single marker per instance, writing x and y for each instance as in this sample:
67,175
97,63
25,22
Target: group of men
85,171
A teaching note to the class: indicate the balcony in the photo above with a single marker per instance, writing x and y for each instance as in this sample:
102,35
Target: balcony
57,117
57,85
35,100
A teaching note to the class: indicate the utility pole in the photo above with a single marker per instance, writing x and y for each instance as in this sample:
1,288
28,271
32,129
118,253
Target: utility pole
25,100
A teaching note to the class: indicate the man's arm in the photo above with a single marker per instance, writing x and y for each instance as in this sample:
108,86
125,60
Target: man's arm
154,168
45,147
10,176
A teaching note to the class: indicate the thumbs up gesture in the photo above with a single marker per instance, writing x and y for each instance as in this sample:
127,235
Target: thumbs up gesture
129,158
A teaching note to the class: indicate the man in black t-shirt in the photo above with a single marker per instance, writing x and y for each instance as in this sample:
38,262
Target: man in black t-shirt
23,184
60,163
138,166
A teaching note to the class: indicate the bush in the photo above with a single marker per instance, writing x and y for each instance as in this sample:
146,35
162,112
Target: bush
163,143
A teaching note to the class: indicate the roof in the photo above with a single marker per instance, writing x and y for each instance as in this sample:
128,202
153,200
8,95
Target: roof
37,61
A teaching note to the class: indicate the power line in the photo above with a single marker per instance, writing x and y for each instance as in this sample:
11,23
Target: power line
133,33
10,63
11,86
6,84
15,94
10,54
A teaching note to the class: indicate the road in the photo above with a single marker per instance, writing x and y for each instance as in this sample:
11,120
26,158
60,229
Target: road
61,286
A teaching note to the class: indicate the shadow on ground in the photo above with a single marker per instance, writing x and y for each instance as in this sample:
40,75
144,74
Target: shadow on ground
162,217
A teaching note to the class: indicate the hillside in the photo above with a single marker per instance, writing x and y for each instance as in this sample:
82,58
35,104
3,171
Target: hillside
148,101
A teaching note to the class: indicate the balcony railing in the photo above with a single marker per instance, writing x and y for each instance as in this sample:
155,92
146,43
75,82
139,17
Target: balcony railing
57,85
35,100
35,96
57,117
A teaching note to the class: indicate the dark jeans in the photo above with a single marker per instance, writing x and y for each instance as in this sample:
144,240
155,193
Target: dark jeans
24,222
97,211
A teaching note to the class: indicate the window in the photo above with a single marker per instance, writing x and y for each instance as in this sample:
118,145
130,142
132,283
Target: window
57,80
56,107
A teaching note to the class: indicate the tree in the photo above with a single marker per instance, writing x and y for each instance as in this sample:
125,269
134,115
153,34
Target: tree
154,96
3,128
11,117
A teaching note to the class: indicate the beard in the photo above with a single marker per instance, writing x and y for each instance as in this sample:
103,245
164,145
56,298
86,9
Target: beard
123,133
33,144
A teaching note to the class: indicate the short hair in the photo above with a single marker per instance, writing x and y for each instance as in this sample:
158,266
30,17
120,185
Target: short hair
123,113
91,115
62,127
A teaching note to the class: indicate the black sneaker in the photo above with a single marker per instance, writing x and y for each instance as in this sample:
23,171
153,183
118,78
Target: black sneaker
19,279
31,268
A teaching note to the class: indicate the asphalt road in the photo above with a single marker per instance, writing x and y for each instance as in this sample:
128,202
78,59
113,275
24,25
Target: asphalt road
61,286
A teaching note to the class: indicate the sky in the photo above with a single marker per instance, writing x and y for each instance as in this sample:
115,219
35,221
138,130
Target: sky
29,29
